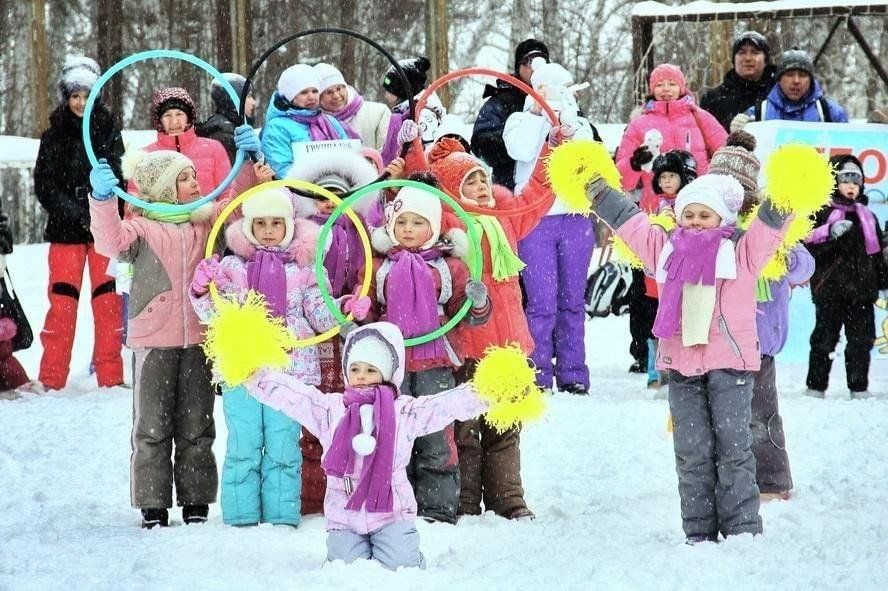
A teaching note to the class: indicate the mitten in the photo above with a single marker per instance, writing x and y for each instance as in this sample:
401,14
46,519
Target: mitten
641,156
245,139
357,305
207,270
409,131
839,228
345,328
477,292
103,180
560,134
739,122
8,329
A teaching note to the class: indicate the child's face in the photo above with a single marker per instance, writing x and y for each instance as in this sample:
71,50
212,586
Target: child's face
849,190
174,121
670,182
269,231
326,206
699,217
391,99
477,187
187,187
666,90
362,374
307,99
412,230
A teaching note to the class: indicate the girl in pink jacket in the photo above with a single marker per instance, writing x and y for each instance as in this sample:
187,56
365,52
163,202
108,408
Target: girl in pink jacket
670,120
367,434
706,322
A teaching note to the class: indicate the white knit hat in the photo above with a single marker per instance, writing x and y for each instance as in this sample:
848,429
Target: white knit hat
297,78
155,173
548,74
376,352
721,193
415,201
273,203
328,75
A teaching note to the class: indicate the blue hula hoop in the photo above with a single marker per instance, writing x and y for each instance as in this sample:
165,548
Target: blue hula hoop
87,116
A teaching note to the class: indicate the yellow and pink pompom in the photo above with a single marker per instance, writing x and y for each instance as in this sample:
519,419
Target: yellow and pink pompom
506,380
573,165
799,179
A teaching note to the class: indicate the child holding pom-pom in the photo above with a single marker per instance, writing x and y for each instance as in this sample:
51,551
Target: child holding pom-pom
489,461
707,273
849,250
273,256
367,434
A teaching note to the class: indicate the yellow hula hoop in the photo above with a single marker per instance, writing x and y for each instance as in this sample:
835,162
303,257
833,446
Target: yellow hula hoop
304,186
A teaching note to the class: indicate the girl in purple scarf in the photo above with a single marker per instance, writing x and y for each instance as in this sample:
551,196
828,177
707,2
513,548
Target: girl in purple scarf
367,434
273,256
418,289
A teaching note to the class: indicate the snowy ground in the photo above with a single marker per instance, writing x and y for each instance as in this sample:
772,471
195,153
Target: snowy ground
598,472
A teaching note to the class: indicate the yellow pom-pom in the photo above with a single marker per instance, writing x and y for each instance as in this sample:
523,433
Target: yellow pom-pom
244,338
799,179
664,220
623,253
505,379
575,164
778,266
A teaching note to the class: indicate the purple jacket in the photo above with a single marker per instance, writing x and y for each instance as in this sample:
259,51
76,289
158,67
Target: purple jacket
772,318
320,414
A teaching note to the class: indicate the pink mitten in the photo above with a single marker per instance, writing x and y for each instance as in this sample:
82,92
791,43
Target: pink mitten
409,131
357,305
8,329
206,271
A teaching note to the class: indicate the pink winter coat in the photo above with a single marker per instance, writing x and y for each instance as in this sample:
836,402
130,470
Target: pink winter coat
307,314
320,414
209,157
164,256
733,340
683,125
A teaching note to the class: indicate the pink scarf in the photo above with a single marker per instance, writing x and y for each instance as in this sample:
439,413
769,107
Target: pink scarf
266,275
867,224
414,309
319,128
375,487
347,114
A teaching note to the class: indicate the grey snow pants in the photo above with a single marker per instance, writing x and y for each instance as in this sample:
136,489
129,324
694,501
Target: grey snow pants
768,441
173,402
394,545
713,456
434,466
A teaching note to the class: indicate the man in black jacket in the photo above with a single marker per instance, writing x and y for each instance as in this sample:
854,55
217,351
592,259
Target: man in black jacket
505,99
220,126
746,84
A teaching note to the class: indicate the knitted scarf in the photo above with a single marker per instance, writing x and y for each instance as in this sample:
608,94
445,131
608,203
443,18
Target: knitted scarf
171,217
504,261
266,275
374,490
414,309
319,127
867,225
345,255
692,261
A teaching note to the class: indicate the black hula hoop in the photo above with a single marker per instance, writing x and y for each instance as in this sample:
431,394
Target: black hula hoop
262,59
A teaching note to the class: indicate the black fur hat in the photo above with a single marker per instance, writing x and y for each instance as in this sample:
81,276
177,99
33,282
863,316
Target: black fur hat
680,162
416,69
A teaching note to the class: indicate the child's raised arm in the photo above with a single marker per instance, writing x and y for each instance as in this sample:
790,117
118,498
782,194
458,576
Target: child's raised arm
305,404
428,414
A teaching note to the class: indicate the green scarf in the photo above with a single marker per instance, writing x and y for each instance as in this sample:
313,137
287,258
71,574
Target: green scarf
173,217
763,290
505,263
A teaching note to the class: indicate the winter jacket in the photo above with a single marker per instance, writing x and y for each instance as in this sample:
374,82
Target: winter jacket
281,132
683,125
507,323
736,94
525,136
61,174
772,317
844,271
371,122
164,256
733,343
487,135
209,157
321,413
777,106
220,127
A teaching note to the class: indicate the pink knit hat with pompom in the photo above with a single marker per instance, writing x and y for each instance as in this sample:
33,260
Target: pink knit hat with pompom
668,72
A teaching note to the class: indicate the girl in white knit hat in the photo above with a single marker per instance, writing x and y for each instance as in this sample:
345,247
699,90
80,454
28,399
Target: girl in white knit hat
273,255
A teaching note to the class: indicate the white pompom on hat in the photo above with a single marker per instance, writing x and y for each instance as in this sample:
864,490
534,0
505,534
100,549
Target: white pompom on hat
721,193
548,74
329,75
374,351
297,78
273,203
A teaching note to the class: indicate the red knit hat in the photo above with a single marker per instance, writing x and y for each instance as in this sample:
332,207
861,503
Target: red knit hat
668,72
451,165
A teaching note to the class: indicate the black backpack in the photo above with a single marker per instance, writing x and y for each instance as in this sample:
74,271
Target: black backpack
607,290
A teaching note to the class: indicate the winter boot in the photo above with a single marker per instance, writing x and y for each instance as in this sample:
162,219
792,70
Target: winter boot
695,539
195,513
575,388
152,517
862,395
520,514
639,366
814,393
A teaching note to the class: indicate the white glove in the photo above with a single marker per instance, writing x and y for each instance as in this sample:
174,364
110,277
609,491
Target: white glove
839,228
740,121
